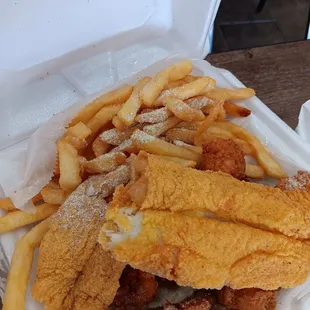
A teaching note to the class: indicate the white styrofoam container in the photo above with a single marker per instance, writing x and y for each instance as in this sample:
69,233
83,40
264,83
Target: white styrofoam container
282,142
56,53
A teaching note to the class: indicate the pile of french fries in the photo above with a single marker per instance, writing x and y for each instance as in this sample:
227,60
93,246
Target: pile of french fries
170,115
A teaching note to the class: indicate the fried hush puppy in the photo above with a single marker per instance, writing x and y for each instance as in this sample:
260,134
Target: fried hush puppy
247,299
223,155
137,289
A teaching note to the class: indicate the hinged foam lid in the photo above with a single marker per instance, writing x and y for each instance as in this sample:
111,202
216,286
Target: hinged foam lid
55,52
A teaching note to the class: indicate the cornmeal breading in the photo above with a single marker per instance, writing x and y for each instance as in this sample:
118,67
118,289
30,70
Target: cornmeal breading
97,284
204,253
207,229
68,254
175,188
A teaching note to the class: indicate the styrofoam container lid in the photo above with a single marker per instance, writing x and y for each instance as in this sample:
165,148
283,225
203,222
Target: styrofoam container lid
57,52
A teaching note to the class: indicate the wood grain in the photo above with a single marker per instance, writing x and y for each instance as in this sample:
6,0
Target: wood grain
280,74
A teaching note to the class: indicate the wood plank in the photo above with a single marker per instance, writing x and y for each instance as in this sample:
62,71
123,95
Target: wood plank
280,74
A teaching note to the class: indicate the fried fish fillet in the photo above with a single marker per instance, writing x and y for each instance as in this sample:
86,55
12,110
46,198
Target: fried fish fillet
168,186
207,229
202,252
97,284
70,264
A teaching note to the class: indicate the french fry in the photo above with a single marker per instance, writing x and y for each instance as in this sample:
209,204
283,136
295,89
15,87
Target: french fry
245,146
254,171
186,91
270,166
100,147
225,94
199,102
181,161
131,107
77,134
69,166
21,263
154,116
77,143
209,120
115,137
181,134
185,80
120,175
118,124
103,117
157,146
220,131
221,116
117,96
189,125
160,128
79,130
126,146
181,110
105,163
207,109
17,219
53,194
7,204
235,110
37,198
154,87
196,149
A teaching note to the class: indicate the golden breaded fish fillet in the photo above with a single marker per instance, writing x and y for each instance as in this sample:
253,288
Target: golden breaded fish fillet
202,252
165,185
96,286
69,259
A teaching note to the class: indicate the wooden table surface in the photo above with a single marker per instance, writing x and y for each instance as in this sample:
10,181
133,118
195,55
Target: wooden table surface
280,75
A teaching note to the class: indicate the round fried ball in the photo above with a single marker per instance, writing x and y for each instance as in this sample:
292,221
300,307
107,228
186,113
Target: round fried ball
223,155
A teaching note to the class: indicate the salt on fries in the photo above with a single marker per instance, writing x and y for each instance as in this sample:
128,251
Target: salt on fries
100,147
157,146
182,110
164,115
104,163
154,87
187,91
21,263
154,116
160,128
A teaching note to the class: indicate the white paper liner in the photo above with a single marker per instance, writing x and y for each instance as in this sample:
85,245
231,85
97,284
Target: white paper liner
303,128
27,172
